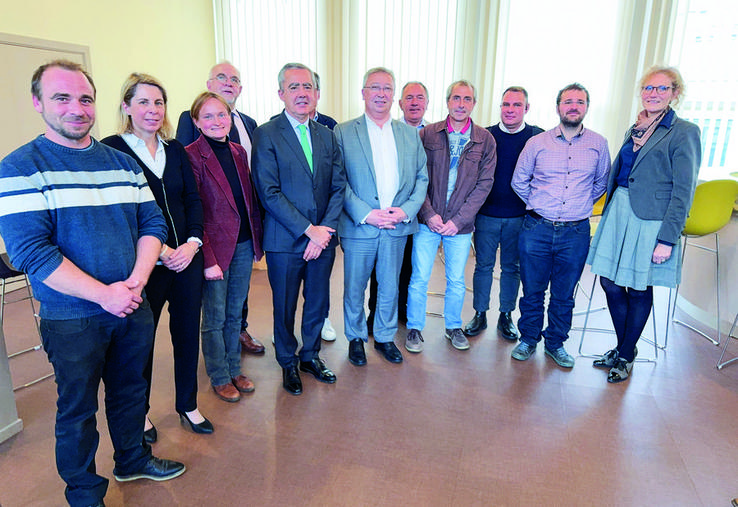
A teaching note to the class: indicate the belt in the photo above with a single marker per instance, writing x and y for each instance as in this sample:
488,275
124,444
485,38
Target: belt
555,223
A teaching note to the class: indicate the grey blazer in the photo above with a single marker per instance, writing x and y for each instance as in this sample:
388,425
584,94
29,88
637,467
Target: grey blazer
361,188
663,176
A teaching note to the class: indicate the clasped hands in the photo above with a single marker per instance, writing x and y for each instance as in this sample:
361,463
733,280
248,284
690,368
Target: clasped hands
122,298
386,218
178,259
320,237
435,224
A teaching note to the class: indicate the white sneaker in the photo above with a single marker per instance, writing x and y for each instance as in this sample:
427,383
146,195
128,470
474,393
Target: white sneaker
328,333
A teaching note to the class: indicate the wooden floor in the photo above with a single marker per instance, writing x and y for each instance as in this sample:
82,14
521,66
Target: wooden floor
443,428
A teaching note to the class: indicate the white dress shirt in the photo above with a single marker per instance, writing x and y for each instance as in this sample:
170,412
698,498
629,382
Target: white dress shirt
386,165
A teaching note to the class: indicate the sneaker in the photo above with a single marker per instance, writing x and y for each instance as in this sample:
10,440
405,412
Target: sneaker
606,360
458,340
328,334
621,371
414,341
523,351
156,469
561,357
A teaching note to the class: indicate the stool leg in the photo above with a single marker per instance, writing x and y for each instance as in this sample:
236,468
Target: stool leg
720,364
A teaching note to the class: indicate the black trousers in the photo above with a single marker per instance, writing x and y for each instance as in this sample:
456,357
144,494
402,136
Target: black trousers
287,270
183,291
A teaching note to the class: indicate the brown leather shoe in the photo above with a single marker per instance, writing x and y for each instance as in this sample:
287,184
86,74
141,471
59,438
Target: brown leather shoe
227,392
243,384
250,344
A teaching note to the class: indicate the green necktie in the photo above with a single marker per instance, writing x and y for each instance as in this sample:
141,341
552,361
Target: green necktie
306,145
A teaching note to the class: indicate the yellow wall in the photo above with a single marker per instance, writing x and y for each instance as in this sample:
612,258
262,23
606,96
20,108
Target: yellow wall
171,39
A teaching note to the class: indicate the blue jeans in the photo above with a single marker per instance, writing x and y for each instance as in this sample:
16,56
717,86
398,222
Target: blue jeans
83,352
489,233
555,255
222,304
361,255
456,253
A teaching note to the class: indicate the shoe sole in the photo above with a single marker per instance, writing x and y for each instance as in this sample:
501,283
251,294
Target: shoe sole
417,350
549,354
520,357
476,333
318,378
356,363
157,478
456,346
327,339
229,400
506,336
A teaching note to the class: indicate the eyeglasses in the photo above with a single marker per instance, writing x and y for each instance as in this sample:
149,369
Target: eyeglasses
224,79
659,89
377,88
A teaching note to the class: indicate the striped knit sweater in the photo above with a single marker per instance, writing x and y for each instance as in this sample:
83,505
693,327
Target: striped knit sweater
90,206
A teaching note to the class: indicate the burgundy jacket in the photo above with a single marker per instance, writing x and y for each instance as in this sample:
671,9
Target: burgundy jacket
220,215
474,179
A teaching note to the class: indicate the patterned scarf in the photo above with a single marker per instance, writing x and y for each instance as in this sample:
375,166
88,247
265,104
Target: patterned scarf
644,127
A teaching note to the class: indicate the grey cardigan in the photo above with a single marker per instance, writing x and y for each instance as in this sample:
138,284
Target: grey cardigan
664,176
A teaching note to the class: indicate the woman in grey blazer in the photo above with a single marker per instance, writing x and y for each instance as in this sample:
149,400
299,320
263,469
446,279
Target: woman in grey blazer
649,194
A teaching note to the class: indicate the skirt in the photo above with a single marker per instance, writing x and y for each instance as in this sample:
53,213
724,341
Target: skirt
623,245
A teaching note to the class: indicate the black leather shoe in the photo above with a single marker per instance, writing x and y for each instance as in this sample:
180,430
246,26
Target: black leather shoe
317,368
356,353
390,351
291,380
150,435
506,327
156,469
204,428
477,324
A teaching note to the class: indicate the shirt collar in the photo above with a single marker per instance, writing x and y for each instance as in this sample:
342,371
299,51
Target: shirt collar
463,130
560,133
505,130
294,121
133,140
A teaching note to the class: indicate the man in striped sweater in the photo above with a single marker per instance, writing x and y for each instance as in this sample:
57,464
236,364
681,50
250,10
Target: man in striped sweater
78,217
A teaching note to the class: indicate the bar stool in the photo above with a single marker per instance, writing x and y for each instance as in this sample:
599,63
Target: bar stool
720,364
711,210
9,275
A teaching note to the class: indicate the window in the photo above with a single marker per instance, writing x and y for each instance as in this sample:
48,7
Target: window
705,51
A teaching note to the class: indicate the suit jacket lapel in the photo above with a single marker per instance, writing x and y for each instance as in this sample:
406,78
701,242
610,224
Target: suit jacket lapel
657,136
362,133
216,172
290,137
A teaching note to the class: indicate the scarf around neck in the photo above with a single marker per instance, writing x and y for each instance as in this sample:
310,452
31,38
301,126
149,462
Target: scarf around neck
644,127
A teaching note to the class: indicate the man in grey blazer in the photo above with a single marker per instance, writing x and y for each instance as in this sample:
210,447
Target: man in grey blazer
386,184
300,181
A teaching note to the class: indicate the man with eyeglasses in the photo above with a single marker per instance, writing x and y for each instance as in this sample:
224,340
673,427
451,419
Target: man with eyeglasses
413,103
559,175
225,80
386,185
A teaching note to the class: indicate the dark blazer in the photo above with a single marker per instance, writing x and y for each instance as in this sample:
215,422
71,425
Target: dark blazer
292,195
176,193
664,175
221,219
187,132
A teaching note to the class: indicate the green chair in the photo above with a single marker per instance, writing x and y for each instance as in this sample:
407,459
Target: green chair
711,210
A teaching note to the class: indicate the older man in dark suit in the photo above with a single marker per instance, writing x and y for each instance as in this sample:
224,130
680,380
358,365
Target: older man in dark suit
300,180
225,80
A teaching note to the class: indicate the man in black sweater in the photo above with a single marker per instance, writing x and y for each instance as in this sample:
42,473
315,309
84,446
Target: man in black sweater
500,218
